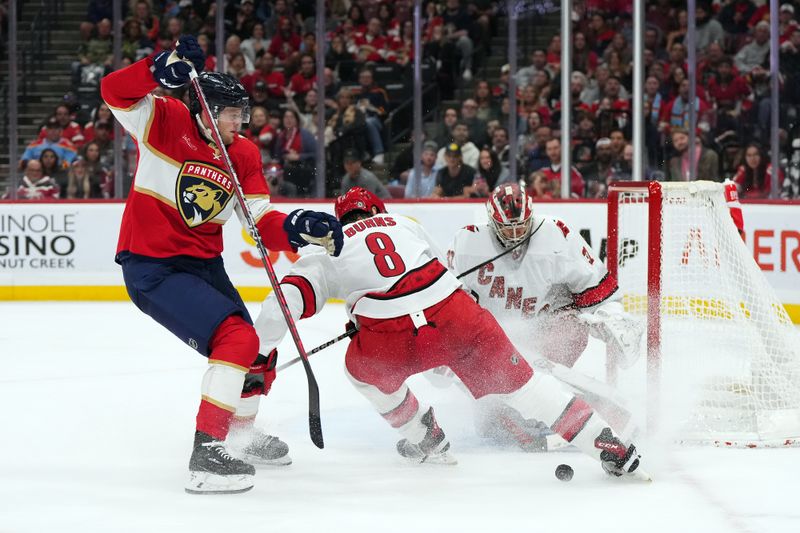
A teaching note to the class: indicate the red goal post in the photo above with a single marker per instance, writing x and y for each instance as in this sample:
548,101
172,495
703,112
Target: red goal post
723,358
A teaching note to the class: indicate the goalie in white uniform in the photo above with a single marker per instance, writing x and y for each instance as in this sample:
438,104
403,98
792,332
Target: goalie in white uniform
549,293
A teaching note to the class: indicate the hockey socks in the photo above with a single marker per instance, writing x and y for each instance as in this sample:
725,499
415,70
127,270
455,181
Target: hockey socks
424,440
234,347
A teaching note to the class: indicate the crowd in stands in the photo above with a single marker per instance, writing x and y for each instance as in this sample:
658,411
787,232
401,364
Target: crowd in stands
270,46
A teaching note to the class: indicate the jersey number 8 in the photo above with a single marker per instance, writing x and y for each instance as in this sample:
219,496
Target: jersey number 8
387,260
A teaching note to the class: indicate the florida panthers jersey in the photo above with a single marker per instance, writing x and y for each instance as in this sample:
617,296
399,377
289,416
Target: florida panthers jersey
554,270
181,195
389,267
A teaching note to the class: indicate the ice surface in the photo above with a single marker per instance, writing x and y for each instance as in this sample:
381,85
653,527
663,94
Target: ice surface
97,418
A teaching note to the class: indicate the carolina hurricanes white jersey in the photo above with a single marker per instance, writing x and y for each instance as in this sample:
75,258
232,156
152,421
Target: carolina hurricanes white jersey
389,267
554,270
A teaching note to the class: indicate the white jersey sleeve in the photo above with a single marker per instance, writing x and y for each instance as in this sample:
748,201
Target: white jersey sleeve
586,277
306,289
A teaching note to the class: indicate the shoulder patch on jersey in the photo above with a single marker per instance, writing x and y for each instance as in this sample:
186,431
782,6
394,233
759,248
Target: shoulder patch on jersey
202,192
471,227
563,227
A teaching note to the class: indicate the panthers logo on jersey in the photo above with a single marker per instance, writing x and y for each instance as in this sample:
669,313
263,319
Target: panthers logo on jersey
202,192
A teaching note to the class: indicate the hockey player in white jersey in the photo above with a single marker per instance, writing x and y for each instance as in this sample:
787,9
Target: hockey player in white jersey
547,291
412,315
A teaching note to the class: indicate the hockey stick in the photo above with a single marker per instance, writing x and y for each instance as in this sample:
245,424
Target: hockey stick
314,421
348,333
352,331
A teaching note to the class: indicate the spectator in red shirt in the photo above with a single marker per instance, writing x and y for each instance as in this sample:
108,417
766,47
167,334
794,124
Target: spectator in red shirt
260,131
677,59
786,23
304,80
274,81
143,15
600,35
430,20
101,112
356,15
553,171
370,45
35,185
754,176
727,91
286,42
71,130
707,68
583,59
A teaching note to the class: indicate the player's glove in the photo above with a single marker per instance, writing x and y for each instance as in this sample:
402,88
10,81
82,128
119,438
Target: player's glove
261,374
314,227
171,68
611,324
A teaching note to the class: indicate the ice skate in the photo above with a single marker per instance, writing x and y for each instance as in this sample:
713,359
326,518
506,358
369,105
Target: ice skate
433,449
264,449
618,460
212,470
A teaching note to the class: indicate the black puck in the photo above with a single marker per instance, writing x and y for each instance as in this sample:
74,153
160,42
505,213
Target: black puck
564,472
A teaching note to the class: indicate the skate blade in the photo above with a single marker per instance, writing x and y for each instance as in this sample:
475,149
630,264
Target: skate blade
637,476
260,461
207,483
439,459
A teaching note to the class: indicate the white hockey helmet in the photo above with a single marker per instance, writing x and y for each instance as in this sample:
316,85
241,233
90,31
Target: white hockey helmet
510,212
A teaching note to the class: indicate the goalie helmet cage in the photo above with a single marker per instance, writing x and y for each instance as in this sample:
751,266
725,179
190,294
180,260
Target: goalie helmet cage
722,364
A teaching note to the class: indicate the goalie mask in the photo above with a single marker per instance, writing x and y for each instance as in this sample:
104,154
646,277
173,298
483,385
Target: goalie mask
510,212
357,199
224,94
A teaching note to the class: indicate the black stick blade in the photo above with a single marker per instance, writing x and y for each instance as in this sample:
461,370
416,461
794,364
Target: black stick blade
315,429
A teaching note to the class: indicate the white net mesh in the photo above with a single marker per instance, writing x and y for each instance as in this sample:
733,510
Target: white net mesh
730,359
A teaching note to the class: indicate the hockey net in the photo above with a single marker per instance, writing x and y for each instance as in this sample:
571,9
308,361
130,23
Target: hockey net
723,357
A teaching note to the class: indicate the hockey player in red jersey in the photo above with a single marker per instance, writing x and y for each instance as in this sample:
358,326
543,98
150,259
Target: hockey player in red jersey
171,240
549,293
412,316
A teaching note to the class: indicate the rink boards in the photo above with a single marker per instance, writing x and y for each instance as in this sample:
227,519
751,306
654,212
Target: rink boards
65,251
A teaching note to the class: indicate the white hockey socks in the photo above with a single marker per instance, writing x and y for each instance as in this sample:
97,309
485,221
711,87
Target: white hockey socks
400,408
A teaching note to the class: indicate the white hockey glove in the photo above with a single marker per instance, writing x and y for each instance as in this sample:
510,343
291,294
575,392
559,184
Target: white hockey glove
611,324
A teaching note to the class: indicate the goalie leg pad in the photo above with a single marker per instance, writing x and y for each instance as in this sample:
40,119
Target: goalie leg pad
544,398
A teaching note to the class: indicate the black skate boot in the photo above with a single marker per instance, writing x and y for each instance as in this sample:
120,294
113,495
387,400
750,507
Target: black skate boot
264,449
432,449
618,460
212,470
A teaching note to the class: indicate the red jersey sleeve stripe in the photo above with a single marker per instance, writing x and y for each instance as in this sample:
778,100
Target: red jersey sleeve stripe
597,294
307,292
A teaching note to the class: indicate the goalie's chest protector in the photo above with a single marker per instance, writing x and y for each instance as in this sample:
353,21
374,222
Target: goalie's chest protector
521,283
